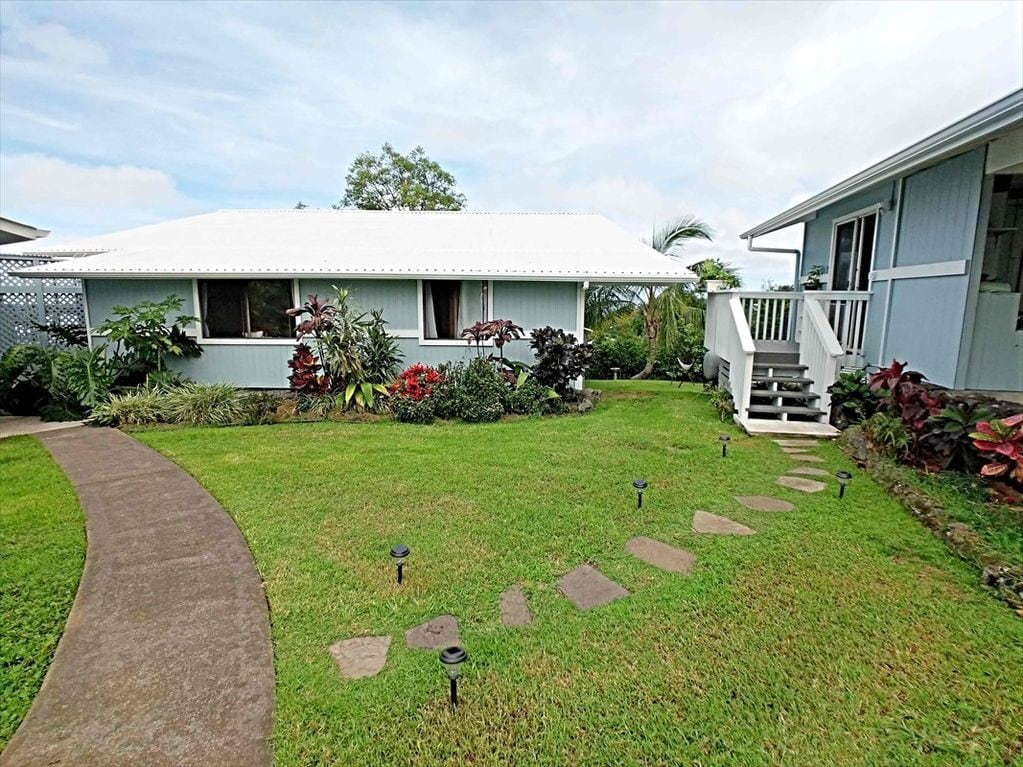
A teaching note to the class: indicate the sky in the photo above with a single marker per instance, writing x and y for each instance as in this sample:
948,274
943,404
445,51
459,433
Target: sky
114,115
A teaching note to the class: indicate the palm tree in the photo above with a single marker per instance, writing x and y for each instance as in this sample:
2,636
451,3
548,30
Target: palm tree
668,308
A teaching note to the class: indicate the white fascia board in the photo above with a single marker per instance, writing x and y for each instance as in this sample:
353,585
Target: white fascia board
957,138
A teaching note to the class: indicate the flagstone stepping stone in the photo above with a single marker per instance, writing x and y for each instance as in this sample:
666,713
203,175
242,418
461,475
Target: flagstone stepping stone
515,611
764,503
661,555
804,485
361,657
704,522
587,587
806,457
435,634
810,471
798,443
794,451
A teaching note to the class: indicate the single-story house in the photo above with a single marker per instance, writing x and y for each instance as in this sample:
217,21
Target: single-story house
917,258
431,273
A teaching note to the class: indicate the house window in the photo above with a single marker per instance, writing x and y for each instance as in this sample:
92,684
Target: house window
245,308
853,253
449,306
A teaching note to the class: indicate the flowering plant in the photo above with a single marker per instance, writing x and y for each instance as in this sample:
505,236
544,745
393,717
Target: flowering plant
416,382
1002,442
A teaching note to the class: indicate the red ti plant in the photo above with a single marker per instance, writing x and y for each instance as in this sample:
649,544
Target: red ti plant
416,382
318,313
306,377
1002,442
909,399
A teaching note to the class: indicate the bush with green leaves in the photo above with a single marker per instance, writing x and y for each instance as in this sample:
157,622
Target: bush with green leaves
408,410
138,407
481,393
559,358
721,400
530,398
144,338
852,399
203,404
260,407
887,434
381,355
626,352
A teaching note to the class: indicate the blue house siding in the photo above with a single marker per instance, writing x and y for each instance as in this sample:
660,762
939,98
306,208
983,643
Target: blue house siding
263,364
817,233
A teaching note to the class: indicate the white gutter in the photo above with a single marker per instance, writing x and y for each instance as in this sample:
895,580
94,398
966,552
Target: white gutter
794,251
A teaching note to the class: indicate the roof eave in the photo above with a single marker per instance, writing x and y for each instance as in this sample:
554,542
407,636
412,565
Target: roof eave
978,128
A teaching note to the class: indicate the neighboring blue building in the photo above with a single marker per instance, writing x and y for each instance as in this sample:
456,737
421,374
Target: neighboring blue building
920,259
432,274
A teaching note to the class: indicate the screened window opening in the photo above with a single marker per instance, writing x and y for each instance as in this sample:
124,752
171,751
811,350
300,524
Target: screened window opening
245,308
449,306
854,253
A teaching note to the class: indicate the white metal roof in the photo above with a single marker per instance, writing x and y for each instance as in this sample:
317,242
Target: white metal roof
366,243
12,231
963,135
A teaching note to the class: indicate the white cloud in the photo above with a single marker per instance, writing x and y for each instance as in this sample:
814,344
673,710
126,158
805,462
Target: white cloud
55,183
54,42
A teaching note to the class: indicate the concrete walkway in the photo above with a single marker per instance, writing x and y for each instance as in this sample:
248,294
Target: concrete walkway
166,657
17,425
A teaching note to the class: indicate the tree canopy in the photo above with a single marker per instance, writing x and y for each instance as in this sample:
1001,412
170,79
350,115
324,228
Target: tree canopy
393,181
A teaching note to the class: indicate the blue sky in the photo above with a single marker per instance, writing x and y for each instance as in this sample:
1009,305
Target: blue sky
115,115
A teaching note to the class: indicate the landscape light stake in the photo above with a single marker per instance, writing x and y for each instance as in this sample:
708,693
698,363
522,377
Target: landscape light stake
399,553
453,658
843,478
640,485
725,439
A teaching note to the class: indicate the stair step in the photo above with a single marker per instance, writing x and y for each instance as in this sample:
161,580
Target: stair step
768,394
790,409
782,379
779,365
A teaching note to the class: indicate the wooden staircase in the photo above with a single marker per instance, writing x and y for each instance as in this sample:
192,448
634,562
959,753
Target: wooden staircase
781,389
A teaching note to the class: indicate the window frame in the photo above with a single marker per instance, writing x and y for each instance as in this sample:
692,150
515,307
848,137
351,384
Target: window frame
421,326
196,328
857,217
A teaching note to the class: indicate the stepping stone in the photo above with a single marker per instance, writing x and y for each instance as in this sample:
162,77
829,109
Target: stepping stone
514,608
661,555
794,451
805,485
810,471
704,522
764,503
799,443
587,587
806,457
435,634
361,657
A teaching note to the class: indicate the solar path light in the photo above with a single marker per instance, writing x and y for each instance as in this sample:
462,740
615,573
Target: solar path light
724,439
843,479
640,485
399,553
453,658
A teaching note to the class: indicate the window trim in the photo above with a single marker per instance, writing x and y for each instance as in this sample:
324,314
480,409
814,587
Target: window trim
421,329
857,216
195,331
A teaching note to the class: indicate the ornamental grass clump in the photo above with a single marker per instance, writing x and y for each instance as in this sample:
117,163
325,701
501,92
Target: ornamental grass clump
141,407
203,404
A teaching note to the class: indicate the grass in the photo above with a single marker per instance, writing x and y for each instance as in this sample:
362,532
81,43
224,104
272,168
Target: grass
42,550
840,634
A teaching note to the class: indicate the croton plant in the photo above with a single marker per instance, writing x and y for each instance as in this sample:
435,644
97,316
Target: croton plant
1001,441
416,382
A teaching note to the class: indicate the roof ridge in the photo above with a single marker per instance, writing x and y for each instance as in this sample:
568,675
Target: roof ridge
417,212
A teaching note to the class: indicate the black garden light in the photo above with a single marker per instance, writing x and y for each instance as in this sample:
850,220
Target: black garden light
399,553
843,478
453,658
640,485
724,439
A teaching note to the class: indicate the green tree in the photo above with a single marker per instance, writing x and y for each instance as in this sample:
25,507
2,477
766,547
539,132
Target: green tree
393,181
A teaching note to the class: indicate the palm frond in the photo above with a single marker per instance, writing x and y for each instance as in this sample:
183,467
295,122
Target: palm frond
673,234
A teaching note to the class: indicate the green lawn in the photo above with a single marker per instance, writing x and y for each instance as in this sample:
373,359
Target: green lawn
42,549
841,633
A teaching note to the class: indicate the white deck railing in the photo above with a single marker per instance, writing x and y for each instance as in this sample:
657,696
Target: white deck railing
728,336
828,327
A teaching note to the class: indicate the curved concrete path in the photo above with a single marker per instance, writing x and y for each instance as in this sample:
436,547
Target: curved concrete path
166,656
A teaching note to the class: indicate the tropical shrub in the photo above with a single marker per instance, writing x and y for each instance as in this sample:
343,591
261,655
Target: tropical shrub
627,352
408,410
500,331
560,359
139,407
416,382
445,393
1001,442
481,393
852,399
24,377
306,376
886,433
202,404
530,398
685,344
144,338
948,442
381,355
721,400
260,407
908,399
